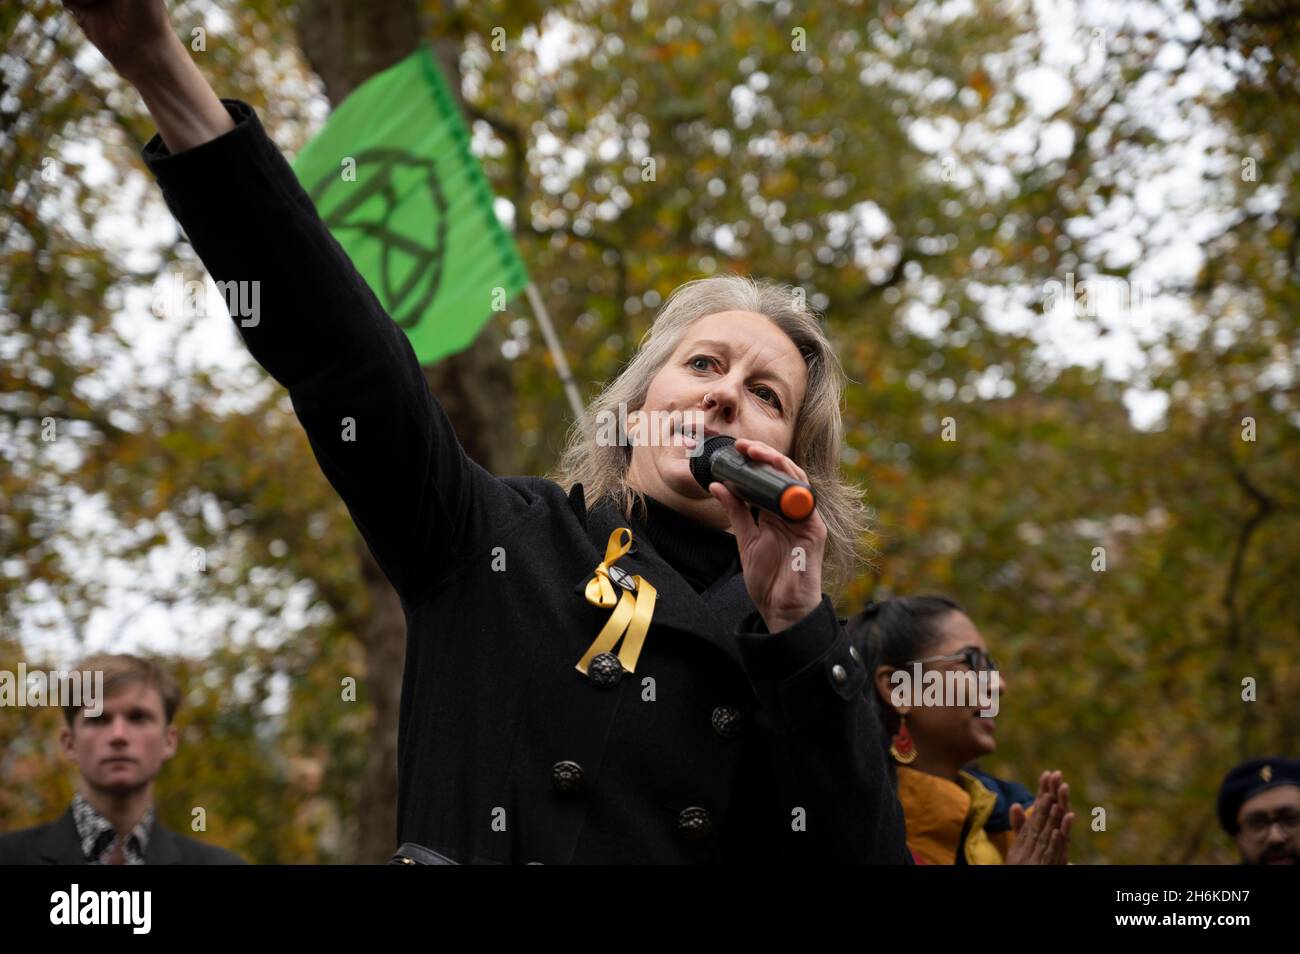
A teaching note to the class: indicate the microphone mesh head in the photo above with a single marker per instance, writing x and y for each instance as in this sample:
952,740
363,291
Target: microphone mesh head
702,463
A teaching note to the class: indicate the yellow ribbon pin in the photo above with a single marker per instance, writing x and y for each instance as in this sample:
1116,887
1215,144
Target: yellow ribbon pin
632,612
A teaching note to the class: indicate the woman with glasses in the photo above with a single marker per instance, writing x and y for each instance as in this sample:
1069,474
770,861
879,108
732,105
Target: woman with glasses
936,691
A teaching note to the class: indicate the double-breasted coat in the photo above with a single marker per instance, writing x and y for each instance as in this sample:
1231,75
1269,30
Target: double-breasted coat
727,743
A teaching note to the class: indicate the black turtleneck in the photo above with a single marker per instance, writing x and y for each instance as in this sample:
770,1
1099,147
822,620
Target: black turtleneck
698,552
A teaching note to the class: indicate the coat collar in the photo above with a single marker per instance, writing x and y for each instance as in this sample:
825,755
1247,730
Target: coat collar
714,616
163,847
945,817
61,845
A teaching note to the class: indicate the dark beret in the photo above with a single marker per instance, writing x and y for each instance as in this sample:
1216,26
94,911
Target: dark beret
1249,779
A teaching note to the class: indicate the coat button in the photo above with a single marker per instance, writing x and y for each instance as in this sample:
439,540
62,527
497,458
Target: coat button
853,651
694,823
839,674
605,671
566,776
726,722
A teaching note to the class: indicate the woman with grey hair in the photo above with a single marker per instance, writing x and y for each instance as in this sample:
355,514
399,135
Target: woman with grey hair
620,666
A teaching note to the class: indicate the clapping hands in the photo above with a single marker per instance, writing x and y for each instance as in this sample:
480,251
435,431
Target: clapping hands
1042,836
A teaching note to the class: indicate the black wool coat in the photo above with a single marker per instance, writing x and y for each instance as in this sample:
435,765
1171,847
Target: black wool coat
727,744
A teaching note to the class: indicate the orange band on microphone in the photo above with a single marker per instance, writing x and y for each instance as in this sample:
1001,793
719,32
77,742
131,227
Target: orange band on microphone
797,503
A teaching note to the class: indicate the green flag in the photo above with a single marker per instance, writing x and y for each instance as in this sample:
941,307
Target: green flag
393,177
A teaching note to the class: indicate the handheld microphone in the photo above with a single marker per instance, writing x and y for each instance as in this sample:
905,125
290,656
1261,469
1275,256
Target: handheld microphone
751,480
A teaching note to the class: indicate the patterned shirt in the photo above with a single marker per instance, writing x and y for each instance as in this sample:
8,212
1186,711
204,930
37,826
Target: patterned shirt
99,838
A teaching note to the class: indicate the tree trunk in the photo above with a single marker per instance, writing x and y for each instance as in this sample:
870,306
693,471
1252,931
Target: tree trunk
346,43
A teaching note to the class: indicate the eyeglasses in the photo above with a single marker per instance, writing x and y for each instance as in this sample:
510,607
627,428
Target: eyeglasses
977,659
1256,826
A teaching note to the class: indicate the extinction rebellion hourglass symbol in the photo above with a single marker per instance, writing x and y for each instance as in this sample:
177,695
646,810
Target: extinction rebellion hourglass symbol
410,267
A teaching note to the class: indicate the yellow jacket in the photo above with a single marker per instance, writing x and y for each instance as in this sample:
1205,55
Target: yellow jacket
943,817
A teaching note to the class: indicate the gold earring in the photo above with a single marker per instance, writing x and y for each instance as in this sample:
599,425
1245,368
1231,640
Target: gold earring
901,747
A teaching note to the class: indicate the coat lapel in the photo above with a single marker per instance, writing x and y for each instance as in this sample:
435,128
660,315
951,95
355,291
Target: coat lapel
61,845
713,616
162,849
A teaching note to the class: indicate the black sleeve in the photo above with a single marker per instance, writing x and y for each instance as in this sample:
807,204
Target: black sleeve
380,437
828,756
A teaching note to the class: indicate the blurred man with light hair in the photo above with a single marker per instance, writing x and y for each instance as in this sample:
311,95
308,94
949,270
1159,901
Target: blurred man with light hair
119,752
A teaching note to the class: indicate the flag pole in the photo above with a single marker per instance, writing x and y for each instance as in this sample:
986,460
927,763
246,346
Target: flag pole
553,343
